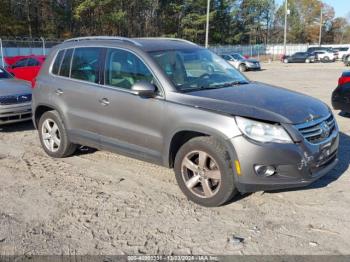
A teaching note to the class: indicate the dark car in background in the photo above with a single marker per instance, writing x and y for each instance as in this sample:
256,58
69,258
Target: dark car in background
15,99
341,95
27,68
299,57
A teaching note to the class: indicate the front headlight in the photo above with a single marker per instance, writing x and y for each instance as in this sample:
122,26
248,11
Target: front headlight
263,132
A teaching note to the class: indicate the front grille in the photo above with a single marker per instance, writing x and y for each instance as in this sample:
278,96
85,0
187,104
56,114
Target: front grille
15,99
316,132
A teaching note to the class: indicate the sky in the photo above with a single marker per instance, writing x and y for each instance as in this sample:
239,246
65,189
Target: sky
341,7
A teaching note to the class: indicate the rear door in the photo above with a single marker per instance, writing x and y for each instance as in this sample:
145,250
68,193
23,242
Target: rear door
76,84
129,123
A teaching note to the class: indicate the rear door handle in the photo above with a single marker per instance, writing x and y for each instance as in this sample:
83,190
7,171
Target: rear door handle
104,101
59,92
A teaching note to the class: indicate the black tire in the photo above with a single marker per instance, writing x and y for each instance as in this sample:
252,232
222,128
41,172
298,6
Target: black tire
66,148
326,59
286,61
242,68
219,154
347,61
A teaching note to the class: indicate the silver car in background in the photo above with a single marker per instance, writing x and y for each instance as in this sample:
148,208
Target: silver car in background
241,63
15,99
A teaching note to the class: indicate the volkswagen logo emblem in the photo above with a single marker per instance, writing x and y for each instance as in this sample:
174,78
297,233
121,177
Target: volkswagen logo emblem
325,130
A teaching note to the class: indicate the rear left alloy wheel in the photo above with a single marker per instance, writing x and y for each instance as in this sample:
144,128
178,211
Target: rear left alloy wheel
203,173
53,136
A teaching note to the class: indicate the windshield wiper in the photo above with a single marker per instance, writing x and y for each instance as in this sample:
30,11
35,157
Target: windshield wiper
234,83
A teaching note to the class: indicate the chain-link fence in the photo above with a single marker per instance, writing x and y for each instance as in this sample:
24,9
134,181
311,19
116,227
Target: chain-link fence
40,46
10,47
266,52
263,52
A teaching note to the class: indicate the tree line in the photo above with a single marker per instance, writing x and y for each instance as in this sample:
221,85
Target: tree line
231,21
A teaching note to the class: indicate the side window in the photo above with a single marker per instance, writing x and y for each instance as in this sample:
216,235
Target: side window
124,69
65,66
20,63
236,57
85,65
57,63
33,62
226,57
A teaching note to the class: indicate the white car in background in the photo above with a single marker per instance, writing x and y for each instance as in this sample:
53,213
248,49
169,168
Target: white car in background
324,56
342,52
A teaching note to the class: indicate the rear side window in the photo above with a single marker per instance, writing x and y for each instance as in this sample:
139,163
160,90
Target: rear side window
65,66
57,63
85,65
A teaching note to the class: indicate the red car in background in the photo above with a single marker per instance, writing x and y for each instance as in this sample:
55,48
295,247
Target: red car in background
25,67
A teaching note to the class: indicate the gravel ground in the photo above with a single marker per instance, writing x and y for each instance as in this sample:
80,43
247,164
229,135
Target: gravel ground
103,203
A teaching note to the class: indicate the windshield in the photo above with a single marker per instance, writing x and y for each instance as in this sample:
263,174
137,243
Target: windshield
4,74
197,69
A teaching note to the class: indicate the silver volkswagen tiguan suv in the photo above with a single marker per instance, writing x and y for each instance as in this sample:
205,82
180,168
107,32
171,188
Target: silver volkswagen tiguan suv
176,104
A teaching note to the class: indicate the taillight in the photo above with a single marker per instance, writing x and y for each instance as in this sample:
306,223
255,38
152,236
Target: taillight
343,80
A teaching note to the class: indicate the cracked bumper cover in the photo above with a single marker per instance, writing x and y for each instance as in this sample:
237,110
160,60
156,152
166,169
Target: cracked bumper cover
297,165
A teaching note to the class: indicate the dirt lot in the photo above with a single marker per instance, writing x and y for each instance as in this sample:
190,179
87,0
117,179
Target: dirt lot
102,203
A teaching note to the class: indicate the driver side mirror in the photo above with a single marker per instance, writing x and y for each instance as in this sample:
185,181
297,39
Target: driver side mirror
144,89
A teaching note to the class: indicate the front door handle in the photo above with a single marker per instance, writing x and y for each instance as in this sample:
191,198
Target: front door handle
104,101
59,92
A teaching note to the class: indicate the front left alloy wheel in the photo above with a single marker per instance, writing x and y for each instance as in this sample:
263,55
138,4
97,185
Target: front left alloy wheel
203,172
53,136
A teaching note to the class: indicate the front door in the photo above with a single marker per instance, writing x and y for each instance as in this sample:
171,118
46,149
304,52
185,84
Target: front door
129,123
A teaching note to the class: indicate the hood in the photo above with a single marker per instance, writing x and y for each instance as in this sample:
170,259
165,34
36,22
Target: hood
258,101
12,86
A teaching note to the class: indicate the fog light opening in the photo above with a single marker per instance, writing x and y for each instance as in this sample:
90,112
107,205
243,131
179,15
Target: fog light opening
262,170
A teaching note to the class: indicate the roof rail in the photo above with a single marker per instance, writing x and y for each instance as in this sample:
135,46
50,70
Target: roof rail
117,38
170,38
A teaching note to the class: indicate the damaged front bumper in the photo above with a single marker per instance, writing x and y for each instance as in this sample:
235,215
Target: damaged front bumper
296,165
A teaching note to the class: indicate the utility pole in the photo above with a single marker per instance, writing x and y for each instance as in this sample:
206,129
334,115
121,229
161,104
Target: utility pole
207,27
285,27
321,22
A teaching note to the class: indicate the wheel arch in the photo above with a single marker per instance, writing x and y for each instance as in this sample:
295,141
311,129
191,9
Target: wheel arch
40,110
181,136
